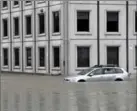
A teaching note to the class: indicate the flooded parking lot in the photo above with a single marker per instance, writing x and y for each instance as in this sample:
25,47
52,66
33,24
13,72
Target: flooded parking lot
51,93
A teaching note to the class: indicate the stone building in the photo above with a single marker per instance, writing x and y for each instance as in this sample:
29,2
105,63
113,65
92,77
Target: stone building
65,37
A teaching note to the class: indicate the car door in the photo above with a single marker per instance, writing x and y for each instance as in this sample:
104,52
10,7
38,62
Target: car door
96,75
109,74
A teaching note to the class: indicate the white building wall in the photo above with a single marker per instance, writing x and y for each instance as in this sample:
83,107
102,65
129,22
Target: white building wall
75,38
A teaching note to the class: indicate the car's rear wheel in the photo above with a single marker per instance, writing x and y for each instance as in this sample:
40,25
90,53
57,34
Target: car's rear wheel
81,81
119,79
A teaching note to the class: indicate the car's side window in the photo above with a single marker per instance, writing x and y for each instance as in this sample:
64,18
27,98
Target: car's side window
109,71
97,72
118,70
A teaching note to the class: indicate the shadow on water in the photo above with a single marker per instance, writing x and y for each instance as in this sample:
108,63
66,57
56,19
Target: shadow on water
71,97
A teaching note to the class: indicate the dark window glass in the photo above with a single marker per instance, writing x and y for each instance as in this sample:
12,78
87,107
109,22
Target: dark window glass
56,52
83,21
98,72
109,70
16,2
113,55
83,57
28,56
41,57
28,2
16,26
28,25
118,70
112,22
16,55
56,22
5,56
5,4
135,21
136,55
41,23
5,27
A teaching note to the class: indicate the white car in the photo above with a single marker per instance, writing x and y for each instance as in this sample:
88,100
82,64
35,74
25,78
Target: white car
100,74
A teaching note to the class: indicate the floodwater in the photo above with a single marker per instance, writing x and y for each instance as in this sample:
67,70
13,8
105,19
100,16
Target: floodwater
48,93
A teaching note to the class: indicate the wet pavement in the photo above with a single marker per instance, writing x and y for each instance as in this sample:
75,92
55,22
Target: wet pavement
51,93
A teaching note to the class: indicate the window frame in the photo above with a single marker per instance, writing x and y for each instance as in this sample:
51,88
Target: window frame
119,21
28,35
134,21
81,68
17,66
38,23
26,4
56,33
90,23
53,65
87,11
3,63
3,28
4,8
135,54
41,67
15,6
27,59
18,26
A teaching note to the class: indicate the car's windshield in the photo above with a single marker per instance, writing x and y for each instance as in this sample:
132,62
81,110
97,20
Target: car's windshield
85,71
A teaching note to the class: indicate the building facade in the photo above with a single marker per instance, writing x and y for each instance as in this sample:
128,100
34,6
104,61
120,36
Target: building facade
58,37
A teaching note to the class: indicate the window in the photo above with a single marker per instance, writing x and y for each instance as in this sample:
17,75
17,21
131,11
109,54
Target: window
5,56
28,57
15,3
5,27
83,57
28,25
41,56
56,57
16,57
28,2
109,71
112,22
41,23
98,72
113,55
16,26
56,23
5,4
136,21
83,21
118,70
136,55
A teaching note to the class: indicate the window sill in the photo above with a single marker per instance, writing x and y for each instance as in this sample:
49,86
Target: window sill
135,68
113,33
27,4
135,33
41,68
15,6
15,37
5,37
28,67
4,8
56,34
56,69
81,68
5,67
41,35
28,36
16,67
83,33
39,2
